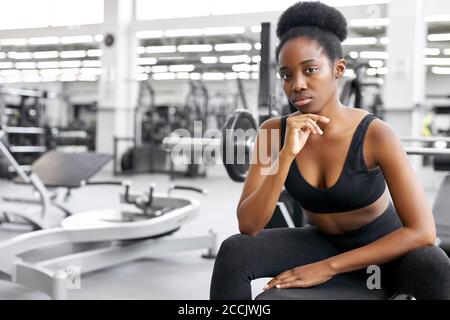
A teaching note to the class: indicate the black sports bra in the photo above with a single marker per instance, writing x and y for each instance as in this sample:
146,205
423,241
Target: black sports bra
356,187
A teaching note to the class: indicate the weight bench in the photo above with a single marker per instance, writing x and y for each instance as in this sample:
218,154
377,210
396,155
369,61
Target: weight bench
55,170
348,286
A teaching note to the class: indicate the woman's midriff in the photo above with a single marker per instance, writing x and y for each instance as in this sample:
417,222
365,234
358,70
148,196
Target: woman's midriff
338,223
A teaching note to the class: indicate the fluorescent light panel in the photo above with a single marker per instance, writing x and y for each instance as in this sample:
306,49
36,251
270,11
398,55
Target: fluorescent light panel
161,49
195,48
233,47
45,54
43,40
373,55
439,37
183,33
359,41
73,54
235,59
13,42
208,60
223,30
77,39
371,22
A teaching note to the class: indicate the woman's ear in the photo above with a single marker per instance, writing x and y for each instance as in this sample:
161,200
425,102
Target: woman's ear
339,68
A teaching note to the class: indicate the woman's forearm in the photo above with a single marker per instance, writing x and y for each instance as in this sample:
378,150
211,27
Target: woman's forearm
385,249
256,210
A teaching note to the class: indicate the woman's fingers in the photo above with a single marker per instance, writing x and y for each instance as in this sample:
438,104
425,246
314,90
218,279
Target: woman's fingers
311,119
306,124
316,127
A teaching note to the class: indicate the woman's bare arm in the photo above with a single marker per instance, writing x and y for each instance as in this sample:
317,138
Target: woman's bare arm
265,180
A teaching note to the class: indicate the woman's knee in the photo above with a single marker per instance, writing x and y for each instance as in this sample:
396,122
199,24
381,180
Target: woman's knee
426,271
429,260
235,247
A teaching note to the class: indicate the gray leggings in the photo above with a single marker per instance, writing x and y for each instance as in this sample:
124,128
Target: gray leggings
423,273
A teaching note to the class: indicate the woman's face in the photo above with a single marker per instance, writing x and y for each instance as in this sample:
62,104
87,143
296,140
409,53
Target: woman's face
309,78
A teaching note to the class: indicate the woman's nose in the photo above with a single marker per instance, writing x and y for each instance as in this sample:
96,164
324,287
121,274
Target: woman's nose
299,84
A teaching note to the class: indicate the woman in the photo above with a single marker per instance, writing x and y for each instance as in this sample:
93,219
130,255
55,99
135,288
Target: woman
335,161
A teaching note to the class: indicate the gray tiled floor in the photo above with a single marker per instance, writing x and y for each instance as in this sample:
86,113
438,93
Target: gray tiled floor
183,275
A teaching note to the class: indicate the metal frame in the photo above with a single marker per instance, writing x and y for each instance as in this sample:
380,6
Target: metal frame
427,151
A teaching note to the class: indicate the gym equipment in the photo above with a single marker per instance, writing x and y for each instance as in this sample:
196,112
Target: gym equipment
238,137
441,213
150,125
355,90
109,237
142,228
154,122
440,152
54,170
23,113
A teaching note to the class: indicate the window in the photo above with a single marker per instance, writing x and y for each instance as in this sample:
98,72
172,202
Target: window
20,14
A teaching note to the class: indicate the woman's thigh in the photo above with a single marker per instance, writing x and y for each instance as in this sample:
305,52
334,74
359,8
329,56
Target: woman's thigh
423,273
273,251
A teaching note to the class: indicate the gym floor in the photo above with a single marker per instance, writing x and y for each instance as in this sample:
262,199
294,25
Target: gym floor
182,275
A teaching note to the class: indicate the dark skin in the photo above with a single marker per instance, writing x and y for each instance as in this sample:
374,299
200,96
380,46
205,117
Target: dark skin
318,138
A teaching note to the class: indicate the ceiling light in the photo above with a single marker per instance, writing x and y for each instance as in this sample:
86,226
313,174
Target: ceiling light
207,60
223,30
45,54
43,40
373,55
76,39
161,49
235,59
144,61
182,68
373,22
150,34
359,41
195,48
183,33
164,76
233,47
73,54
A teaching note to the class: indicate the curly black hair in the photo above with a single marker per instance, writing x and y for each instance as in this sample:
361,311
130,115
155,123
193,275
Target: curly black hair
316,21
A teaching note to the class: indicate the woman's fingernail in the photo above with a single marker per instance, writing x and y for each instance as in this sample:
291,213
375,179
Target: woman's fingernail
278,286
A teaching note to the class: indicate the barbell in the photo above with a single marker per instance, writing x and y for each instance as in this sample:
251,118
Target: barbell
239,135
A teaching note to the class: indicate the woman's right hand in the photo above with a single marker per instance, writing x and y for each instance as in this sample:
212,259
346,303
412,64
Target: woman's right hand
298,129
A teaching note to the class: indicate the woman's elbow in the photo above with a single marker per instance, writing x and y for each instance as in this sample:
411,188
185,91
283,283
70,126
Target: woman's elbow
426,237
248,230
429,238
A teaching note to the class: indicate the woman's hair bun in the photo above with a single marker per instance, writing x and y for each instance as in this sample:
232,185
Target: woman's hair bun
313,14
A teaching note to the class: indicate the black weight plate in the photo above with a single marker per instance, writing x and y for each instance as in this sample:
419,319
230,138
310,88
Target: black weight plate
237,164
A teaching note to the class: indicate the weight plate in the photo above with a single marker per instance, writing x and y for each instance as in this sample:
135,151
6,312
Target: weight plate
238,136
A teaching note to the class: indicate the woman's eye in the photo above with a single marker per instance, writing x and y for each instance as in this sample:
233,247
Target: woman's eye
311,69
285,76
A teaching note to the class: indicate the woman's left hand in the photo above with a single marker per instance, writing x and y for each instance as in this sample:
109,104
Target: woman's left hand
305,276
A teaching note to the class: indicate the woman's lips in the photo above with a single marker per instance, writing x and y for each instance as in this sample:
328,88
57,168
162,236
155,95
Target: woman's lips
302,102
